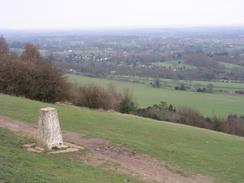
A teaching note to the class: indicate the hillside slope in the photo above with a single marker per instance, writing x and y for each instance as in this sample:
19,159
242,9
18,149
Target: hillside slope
117,158
19,166
193,149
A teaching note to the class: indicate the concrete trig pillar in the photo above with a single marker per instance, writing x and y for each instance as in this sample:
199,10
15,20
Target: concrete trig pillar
49,132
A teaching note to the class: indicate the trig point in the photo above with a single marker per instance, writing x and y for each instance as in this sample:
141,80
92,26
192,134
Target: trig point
49,135
49,132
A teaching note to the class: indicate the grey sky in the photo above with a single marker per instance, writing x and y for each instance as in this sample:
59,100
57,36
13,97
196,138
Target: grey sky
34,14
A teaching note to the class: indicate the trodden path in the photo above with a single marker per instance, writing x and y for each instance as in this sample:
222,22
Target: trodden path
114,157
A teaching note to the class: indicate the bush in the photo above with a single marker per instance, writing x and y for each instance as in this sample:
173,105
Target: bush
234,125
47,83
201,90
181,87
239,92
160,112
127,103
193,117
96,97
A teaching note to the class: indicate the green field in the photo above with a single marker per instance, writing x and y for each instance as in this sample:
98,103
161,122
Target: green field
174,64
171,83
19,166
209,104
231,66
179,65
193,149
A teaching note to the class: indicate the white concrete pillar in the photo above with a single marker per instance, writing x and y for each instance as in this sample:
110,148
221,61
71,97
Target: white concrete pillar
49,132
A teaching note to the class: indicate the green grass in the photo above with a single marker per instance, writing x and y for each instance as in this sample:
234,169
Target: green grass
193,149
208,104
231,66
19,166
171,83
174,64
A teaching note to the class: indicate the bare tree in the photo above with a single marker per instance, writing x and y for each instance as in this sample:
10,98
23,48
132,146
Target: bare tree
31,54
4,50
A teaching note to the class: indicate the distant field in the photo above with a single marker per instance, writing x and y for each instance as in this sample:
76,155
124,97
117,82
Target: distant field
230,66
19,51
193,149
209,104
175,64
19,166
179,64
171,83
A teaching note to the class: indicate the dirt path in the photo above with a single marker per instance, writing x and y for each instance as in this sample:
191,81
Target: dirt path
114,157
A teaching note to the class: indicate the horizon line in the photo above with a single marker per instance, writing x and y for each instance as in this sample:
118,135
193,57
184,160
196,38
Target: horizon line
125,27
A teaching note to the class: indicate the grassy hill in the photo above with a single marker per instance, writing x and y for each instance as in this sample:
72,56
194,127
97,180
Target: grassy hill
209,104
193,149
17,165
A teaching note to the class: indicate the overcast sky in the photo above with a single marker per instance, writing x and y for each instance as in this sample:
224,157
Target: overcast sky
55,14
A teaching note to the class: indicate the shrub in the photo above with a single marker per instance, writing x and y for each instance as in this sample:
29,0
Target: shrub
201,90
234,125
239,92
181,87
193,117
47,83
127,103
96,97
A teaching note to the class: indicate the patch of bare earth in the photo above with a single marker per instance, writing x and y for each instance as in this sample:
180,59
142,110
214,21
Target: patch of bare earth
115,157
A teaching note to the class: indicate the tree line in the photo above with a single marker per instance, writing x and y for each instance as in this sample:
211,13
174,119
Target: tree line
233,124
30,75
